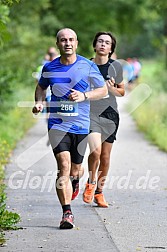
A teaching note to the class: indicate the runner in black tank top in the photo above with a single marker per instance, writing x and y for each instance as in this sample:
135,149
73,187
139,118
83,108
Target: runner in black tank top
104,118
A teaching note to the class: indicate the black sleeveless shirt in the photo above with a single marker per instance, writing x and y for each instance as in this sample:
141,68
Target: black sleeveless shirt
113,69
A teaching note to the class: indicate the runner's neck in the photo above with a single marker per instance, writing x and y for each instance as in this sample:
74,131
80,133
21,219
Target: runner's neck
100,60
68,59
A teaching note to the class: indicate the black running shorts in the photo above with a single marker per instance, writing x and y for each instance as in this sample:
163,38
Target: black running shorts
65,141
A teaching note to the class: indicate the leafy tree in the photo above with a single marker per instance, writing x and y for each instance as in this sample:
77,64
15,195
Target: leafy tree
87,17
4,19
161,7
132,20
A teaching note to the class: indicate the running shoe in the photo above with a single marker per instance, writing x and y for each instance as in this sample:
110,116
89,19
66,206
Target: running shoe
100,200
89,193
67,221
75,187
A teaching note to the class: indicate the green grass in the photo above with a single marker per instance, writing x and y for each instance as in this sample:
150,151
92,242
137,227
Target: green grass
151,116
16,121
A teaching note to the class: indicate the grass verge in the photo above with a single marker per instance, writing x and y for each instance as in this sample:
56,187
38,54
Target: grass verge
151,116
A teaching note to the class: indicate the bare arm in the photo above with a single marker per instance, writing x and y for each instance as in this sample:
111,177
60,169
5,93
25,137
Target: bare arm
95,94
118,90
40,95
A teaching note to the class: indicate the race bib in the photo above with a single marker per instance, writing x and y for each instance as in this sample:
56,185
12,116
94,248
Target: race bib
67,108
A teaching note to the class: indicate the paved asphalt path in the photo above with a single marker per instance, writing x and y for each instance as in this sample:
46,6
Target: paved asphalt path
136,219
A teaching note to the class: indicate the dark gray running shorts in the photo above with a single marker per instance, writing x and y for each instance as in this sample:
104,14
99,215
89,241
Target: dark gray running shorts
106,123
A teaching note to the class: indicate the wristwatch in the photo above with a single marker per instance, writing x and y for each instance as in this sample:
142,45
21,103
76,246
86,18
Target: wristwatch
85,95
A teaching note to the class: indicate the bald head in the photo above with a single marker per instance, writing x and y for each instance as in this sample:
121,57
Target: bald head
65,31
67,43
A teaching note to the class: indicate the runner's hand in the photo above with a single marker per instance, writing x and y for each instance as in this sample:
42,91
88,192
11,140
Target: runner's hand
76,96
37,108
110,84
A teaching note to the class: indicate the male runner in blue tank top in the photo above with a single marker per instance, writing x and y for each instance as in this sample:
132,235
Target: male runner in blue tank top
70,78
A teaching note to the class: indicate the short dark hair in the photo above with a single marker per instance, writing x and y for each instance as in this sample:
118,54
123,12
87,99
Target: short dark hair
113,45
